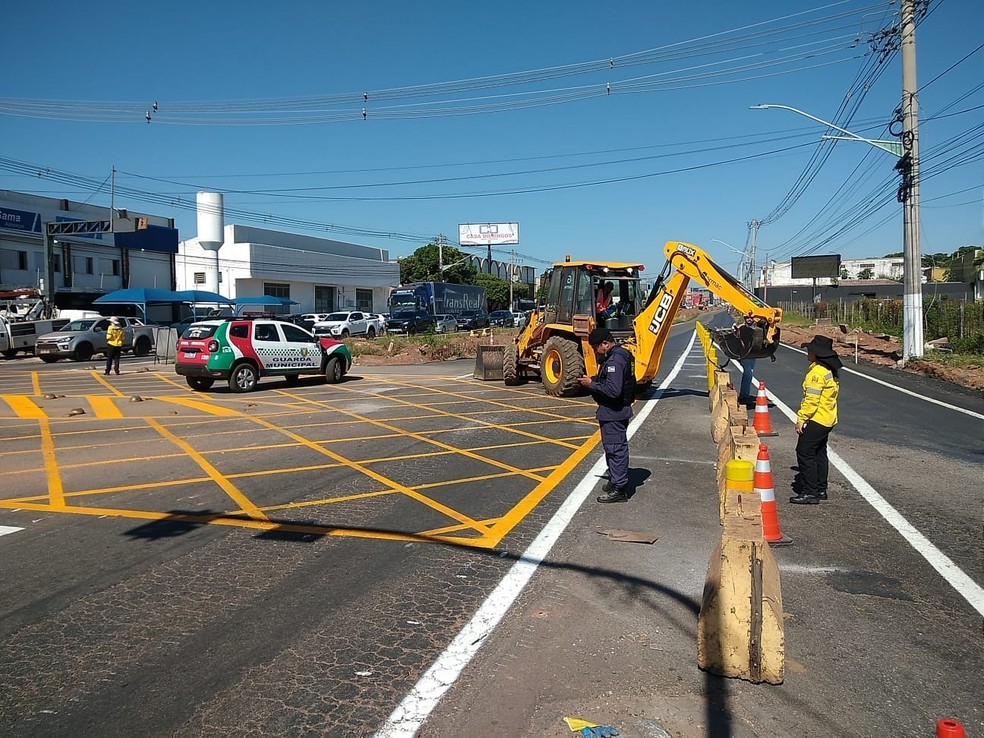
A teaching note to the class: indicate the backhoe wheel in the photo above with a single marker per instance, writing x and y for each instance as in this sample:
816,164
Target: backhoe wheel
561,366
510,364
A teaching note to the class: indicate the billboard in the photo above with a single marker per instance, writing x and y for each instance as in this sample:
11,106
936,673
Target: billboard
805,267
488,234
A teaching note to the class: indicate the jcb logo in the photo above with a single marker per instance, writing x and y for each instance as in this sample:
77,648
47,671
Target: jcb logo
661,312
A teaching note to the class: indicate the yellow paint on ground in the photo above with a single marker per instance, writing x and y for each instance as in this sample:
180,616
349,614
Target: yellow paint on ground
36,383
56,493
24,407
228,487
205,407
104,407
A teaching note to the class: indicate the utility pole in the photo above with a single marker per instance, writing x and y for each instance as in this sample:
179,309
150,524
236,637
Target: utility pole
512,274
440,256
750,274
908,166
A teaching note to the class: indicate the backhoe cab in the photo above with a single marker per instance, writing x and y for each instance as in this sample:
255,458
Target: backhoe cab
584,294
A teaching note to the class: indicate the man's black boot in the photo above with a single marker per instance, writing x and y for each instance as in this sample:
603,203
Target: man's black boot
616,495
607,487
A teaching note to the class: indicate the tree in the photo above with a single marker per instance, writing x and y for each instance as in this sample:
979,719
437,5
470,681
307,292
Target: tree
866,273
497,290
423,265
844,273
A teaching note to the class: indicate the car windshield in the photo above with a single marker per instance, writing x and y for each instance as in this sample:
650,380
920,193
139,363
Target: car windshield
468,313
79,325
338,316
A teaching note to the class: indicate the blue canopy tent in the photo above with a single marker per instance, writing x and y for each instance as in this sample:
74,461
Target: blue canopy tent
265,301
166,300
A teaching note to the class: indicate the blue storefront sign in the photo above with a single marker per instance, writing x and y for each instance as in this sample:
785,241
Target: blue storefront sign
20,220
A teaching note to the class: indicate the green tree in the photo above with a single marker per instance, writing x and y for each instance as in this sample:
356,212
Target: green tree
423,265
866,273
497,290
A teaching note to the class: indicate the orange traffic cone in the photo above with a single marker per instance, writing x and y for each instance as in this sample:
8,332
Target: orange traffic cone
767,492
762,424
949,729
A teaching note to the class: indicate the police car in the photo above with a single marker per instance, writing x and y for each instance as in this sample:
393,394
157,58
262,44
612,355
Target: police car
241,350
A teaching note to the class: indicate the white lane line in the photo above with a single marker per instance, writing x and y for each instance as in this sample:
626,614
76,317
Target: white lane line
410,714
904,391
5,529
965,586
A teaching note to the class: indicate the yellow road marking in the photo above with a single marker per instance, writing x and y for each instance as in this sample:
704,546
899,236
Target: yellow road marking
228,487
100,377
104,407
450,512
24,407
36,383
56,493
205,407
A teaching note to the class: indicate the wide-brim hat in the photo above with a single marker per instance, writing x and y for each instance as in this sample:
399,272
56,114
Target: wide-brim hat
116,321
823,348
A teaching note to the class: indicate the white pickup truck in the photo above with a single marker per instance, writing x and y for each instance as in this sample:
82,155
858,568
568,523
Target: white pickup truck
22,335
81,339
355,323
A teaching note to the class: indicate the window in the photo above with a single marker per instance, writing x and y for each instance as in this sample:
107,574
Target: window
240,330
116,267
324,299
22,260
295,334
89,266
275,289
363,300
199,277
56,263
265,332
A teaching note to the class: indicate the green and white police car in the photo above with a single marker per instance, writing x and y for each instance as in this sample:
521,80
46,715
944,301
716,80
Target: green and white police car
241,350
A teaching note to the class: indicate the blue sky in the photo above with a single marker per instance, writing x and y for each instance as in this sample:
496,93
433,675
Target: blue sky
672,152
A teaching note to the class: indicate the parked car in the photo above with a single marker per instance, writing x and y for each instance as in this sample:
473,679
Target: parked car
243,350
343,325
445,324
470,320
82,339
502,317
410,321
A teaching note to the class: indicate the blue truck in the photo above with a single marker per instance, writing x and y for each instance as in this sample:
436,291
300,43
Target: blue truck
437,298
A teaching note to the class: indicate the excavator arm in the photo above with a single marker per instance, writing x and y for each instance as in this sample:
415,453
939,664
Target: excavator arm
685,263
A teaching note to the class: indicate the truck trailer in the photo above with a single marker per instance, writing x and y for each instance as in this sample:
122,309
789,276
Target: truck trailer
437,298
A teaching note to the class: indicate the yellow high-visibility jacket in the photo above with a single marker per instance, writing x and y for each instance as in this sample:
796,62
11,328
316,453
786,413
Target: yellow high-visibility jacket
115,335
820,390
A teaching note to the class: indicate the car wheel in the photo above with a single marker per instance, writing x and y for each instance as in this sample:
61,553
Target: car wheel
345,333
334,371
83,352
200,384
244,378
561,366
371,333
49,359
142,346
10,354
292,379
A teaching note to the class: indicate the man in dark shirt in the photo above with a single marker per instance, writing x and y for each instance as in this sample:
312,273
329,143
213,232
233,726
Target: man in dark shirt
614,390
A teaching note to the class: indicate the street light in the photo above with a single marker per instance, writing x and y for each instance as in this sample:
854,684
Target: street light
906,152
744,255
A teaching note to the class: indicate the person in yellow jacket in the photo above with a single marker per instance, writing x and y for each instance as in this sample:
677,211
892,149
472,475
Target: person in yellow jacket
816,418
114,337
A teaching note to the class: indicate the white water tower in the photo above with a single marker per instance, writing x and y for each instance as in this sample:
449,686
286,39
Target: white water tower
211,232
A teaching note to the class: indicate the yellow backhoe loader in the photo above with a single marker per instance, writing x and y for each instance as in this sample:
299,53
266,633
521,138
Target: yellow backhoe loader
554,342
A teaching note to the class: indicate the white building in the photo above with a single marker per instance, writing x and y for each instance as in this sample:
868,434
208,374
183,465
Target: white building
779,273
319,274
84,265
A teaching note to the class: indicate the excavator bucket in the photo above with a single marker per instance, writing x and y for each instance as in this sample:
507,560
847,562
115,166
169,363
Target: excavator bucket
753,345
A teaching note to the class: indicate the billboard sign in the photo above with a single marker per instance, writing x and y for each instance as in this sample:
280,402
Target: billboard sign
20,220
806,267
488,234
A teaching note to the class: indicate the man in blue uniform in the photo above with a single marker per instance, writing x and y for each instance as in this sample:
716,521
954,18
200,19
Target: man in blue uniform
614,390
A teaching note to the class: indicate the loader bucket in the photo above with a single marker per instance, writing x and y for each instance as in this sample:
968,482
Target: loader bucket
734,348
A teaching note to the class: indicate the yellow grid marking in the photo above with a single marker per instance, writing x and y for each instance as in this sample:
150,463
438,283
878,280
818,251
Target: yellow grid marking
104,407
56,493
24,407
228,487
204,407
36,383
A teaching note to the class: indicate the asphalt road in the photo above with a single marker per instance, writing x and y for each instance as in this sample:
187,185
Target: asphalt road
292,561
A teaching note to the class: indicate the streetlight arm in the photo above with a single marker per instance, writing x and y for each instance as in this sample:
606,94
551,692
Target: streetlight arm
891,147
